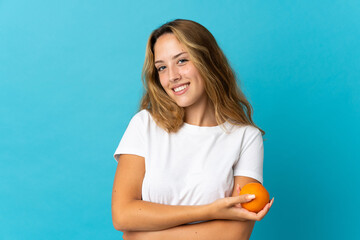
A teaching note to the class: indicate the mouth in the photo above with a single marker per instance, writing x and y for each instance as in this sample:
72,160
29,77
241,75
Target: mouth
181,89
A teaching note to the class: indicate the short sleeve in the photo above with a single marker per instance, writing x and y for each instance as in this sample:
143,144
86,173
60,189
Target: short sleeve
133,140
251,158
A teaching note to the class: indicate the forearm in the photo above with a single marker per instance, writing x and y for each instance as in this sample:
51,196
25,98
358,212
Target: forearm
130,213
139,215
212,230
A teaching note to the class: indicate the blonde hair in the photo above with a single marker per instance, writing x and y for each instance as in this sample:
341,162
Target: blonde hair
219,79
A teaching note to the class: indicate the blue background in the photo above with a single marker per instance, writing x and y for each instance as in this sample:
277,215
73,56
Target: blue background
70,82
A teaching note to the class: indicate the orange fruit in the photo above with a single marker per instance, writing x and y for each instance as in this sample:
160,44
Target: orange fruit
262,197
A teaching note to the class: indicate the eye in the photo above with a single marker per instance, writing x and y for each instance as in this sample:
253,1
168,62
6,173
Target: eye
182,60
161,68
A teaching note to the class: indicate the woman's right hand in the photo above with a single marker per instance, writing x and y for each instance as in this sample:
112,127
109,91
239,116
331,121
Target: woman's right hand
230,208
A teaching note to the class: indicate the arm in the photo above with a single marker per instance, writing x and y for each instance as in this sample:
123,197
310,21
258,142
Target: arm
211,230
130,213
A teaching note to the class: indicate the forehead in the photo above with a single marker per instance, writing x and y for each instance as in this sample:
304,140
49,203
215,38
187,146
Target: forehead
166,46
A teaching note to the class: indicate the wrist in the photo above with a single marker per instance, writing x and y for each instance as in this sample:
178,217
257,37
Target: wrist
211,213
202,213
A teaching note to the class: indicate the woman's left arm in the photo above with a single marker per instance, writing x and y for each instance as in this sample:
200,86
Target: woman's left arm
212,230
227,229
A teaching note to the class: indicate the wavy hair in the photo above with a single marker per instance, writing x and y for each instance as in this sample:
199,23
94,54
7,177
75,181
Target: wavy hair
219,79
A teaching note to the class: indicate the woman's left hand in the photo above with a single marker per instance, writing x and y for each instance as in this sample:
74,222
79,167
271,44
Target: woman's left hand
230,209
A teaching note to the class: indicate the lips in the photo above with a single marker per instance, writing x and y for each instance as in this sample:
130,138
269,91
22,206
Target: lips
181,88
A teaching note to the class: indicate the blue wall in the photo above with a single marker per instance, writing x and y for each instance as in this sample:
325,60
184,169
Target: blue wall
70,82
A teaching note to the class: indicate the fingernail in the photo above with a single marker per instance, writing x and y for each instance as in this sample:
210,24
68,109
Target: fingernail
251,196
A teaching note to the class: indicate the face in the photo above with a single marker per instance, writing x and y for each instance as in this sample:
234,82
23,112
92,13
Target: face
178,75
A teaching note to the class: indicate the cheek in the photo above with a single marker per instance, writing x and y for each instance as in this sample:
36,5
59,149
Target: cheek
185,71
163,82
191,72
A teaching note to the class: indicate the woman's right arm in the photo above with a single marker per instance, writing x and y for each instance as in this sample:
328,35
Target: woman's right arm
131,213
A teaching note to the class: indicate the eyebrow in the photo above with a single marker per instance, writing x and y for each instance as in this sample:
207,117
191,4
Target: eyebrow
177,55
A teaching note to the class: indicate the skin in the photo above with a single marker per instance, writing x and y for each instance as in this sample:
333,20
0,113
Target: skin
139,219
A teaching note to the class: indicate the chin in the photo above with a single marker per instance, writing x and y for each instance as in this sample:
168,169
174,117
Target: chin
183,104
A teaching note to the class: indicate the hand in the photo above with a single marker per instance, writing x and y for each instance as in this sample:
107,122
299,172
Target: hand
230,209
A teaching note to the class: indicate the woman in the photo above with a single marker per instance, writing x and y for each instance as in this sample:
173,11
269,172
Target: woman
193,145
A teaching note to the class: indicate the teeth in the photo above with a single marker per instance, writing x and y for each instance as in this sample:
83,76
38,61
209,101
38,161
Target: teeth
181,88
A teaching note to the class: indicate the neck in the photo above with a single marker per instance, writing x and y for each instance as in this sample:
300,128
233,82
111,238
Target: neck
203,115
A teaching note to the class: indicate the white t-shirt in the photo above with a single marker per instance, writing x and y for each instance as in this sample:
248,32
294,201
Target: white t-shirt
195,165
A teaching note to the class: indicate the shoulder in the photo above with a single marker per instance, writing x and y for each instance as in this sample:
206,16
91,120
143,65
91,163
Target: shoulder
252,131
252,137
143,118
246,134
244,130
252,134
142,114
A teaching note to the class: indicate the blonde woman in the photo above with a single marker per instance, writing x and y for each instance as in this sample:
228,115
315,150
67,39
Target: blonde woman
191,147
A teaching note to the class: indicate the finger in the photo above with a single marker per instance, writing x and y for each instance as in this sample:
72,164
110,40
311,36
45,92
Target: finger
245,214
272,201
247,198
238,189
264,211
268,205
257,216
241,198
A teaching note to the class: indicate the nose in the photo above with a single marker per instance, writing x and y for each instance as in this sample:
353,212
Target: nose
174,74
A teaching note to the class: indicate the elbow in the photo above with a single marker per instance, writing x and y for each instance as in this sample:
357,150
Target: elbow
116,223
119,223
123,218
120,226
119,220
124,222
117,226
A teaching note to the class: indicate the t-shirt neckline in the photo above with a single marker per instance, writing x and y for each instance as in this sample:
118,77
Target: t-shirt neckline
205,129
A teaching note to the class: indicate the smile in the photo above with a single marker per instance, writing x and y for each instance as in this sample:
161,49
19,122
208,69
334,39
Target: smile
181,89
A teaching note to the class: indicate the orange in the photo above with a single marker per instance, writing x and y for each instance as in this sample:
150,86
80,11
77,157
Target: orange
262,197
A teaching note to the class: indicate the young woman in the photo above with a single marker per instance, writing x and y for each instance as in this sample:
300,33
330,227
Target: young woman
192,146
